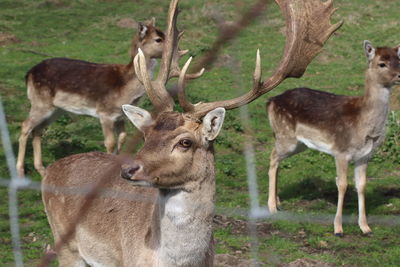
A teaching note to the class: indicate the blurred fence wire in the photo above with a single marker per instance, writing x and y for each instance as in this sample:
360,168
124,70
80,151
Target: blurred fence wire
12,188
254,214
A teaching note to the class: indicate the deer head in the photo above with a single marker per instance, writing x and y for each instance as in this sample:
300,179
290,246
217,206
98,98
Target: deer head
383,65
176,143
149,39
175,148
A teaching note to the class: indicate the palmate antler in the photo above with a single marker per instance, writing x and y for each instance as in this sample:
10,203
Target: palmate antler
169,66
308,27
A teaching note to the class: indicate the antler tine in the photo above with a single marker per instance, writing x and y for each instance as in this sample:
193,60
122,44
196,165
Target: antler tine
137,67
308,27
175,69
171,42
156,91
157,99
257,72
185,104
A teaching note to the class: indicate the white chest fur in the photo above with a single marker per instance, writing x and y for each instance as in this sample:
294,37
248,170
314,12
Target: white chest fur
185,231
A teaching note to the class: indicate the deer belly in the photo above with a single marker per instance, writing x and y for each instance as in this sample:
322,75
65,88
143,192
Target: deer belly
75,104
82,111
317,145
314,138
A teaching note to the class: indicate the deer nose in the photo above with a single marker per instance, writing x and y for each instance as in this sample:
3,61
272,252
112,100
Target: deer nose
129,170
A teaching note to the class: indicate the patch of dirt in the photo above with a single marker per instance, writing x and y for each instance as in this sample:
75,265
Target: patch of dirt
7,38
225,260
241,227
127,23
239,257
306,263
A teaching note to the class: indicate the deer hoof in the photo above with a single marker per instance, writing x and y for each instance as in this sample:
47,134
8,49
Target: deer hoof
368,234
339,234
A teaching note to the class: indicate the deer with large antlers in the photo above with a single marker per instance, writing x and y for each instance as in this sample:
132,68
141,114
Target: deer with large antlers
85,88
347,127
173,172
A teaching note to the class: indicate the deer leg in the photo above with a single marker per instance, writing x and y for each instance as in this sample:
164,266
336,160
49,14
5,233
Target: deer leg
37,141
36,118
26,129
360,176
341,183
272,189
37,151
107,125
282,150
121,133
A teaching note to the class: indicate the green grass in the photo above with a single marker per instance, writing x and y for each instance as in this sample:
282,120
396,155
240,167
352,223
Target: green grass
88,30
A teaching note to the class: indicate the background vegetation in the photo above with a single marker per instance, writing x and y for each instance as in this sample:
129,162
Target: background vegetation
101,30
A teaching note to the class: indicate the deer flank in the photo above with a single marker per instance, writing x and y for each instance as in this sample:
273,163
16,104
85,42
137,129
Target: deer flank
347,127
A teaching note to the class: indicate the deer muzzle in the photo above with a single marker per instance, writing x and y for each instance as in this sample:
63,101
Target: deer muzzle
128,171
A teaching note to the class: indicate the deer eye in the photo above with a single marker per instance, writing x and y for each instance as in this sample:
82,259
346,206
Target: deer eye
159,40
185,143
382,65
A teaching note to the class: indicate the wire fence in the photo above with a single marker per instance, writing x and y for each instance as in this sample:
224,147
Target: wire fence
254,214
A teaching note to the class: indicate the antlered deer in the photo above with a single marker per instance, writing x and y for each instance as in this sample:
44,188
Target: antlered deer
346,127
85,88
173,172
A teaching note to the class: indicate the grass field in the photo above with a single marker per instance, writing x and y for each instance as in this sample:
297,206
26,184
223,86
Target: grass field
99,31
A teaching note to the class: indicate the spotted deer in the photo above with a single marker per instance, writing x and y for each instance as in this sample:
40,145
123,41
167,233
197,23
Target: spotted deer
85,88
173,173
347,127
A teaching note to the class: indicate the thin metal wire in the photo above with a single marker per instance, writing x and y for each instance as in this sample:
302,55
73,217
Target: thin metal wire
12,189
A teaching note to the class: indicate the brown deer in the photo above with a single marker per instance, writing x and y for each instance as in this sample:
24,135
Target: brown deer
173,172
85,88
347,127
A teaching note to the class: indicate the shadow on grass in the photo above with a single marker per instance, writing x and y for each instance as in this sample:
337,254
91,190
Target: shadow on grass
312,188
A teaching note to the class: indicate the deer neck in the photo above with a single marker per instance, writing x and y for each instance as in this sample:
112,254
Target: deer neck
376,103
185,226
376,93
150,63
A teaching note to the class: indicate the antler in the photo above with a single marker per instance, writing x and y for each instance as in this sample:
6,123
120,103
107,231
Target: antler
308,27
175,69
169,66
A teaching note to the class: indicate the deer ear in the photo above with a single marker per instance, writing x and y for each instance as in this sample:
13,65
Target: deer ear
212,123
142,30
152,22
398,52
139,117
369,50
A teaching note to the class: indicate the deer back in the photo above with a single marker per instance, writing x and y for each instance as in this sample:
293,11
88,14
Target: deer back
63,80
340,124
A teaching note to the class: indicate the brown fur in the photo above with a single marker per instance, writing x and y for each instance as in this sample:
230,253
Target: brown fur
347,127
86,88
96,81
133,225
316,108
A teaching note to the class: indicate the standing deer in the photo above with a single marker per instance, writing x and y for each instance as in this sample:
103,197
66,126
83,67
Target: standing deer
347,127
173,172
85,88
